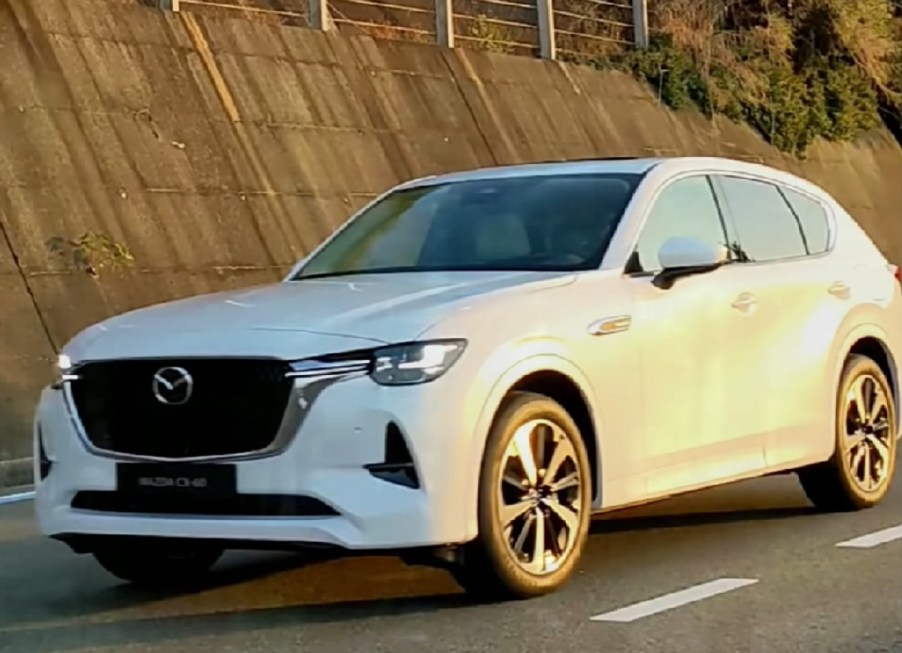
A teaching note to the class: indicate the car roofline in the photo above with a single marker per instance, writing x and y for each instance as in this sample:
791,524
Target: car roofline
612,165
597,165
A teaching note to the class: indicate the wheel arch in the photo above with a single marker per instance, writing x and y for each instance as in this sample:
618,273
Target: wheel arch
565,391
871,341
877,350
558,378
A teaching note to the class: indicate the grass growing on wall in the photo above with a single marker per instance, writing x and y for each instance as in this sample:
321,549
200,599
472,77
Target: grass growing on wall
795,70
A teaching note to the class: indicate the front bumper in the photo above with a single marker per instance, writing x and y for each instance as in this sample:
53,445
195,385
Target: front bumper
343,430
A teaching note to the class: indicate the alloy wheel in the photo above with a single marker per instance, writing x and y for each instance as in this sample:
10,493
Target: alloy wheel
869,433
540,496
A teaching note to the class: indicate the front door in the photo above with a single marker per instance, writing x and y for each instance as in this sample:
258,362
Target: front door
691,336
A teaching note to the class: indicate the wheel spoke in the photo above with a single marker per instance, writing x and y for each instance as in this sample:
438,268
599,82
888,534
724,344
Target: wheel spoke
538,556
868,468
860,403
560,454
881,449
554,539
521,540
565,514
878,406
523,448
541,434
853,441
513,480
857,455
510,512
570,480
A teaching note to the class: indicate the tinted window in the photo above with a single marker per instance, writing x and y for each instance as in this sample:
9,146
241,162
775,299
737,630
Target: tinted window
559,222
813,218
766,228
685,208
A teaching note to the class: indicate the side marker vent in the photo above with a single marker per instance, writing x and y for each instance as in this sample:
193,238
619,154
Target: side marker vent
398,466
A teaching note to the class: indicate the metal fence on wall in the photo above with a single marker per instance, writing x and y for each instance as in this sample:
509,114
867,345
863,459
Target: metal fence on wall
552,29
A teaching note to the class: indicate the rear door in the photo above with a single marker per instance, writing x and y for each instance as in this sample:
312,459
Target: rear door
799,299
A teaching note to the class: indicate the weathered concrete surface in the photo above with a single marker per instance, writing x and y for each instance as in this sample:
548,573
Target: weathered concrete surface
219,150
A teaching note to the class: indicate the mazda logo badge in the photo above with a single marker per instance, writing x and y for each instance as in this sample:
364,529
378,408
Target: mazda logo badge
173,386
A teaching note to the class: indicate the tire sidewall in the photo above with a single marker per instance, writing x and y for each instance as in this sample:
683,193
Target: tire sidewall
518,409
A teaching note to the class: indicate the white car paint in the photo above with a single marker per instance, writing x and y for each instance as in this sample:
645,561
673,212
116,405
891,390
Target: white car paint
685,390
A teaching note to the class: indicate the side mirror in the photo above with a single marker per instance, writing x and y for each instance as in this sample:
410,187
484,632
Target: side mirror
683,256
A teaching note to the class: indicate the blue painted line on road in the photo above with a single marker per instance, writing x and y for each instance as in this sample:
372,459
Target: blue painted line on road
16,498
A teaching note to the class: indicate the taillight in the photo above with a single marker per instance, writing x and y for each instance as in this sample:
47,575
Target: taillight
897,272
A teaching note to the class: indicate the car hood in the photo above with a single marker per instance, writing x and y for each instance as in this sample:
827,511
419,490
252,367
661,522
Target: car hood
301,318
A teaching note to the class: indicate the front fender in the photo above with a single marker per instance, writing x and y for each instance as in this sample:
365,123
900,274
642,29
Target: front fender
540,357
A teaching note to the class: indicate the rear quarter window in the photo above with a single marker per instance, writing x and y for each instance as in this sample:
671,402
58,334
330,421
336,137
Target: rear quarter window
813,217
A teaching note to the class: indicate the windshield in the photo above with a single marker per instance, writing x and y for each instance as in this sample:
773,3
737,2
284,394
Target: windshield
554,222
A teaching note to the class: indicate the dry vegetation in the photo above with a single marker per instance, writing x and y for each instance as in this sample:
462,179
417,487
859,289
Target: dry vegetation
795,69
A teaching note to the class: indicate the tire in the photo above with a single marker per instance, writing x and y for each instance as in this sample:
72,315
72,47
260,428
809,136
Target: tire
160,565
840,485
490,568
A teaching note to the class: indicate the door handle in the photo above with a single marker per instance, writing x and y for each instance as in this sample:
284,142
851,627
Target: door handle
839,289
745,301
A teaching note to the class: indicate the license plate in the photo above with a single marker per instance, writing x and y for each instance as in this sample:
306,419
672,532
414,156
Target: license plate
194,479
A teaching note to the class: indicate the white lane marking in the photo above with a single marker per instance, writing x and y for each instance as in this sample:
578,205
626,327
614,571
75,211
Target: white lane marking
873,539
16,498
675,599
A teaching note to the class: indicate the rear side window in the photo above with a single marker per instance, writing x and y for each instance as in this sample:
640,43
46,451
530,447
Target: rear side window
766,228
813,218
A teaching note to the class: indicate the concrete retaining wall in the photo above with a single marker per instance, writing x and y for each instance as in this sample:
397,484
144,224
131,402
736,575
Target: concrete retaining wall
218,150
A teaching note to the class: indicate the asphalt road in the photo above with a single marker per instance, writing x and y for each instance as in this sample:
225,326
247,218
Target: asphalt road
793,589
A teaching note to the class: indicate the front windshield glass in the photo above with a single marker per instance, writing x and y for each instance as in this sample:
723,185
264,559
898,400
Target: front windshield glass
553,222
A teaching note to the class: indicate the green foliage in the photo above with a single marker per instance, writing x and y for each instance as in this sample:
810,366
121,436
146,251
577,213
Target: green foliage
827,99
794,71
673,74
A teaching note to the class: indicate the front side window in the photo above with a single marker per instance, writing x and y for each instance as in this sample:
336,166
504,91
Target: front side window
551,222
765,226
685,208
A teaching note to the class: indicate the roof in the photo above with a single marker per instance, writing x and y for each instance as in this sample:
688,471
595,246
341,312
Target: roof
623,165
582,166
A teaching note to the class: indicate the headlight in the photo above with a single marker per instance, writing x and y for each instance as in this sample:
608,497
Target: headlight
417,362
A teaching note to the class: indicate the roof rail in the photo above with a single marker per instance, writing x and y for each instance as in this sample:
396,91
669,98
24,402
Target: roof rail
591,158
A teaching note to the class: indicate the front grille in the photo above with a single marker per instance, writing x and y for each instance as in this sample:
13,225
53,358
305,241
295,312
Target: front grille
236,407
238,505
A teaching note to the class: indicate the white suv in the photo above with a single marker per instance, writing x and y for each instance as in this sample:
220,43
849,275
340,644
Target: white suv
475,364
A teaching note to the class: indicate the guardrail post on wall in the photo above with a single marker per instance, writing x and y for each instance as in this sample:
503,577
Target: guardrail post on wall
640,23
444,23
320,18
547,42
168,5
